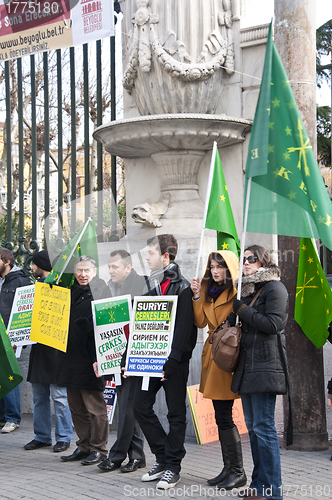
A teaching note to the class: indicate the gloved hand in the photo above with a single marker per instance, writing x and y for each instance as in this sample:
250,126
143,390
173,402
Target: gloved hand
237,304
170,368
84,324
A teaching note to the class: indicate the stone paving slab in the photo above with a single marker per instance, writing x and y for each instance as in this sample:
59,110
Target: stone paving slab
40,474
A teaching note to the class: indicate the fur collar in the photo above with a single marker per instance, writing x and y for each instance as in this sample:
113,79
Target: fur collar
263,275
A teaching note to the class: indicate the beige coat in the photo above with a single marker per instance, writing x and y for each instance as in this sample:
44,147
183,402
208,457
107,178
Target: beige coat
215,383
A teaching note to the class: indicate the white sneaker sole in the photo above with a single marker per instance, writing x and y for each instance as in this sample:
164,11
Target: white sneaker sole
146,478
162,485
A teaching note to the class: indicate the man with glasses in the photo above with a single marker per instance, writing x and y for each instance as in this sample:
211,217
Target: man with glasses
84,389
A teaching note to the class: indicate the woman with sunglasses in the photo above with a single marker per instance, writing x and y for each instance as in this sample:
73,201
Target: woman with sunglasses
262,371
212,303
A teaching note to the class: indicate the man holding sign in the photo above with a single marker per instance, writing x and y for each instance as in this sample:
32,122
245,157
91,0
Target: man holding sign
129,440
11,277
166,279
84,389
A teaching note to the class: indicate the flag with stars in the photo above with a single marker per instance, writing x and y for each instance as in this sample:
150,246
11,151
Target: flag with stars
83,243
112,311
219,215
313,302
10,373
288,195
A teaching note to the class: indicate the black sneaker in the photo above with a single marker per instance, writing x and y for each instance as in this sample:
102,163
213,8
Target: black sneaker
155,473
168,480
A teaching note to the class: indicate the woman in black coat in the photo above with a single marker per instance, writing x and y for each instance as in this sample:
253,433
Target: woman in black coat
262,371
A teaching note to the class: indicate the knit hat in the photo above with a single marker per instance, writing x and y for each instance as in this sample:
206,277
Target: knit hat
42,260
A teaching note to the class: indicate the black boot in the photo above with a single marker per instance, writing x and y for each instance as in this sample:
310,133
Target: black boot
227,468
237,477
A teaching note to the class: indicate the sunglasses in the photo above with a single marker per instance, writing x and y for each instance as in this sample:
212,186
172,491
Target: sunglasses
251,259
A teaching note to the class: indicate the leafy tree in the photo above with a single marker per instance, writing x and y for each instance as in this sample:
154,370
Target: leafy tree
324,46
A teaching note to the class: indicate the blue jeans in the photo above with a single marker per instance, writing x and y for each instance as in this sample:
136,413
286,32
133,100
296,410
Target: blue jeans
258,412
42,418
10,407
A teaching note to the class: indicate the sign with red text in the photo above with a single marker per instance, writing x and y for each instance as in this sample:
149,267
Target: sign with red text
110,399
151,335
28,27
202,413
19,324
111,319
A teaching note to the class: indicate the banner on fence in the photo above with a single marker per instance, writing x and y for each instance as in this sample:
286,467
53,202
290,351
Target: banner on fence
19,324
111,319
28,27
151,335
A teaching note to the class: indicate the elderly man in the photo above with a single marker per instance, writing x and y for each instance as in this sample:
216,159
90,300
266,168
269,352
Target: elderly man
84,389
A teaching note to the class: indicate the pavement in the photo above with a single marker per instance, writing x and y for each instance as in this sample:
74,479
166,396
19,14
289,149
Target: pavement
41,475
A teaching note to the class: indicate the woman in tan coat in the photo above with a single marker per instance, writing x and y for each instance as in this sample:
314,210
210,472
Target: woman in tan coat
212,303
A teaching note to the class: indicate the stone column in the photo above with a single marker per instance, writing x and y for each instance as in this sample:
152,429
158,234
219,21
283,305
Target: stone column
295,38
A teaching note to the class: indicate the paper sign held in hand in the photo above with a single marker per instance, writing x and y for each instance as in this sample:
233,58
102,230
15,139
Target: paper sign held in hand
50,316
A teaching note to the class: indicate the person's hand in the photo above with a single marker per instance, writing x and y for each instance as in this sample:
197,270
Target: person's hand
330,403
14,347
170,368
196,287
237,304
95,369
123,369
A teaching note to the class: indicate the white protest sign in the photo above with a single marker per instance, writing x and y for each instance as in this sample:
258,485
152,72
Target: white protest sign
151,335
19,324
111,319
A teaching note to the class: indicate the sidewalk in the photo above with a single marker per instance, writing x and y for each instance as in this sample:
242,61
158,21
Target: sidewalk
40,474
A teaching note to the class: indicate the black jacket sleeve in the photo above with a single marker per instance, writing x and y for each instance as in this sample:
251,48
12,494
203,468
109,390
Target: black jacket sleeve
184,326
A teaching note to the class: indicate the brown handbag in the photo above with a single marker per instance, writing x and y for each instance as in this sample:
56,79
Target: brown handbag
225,340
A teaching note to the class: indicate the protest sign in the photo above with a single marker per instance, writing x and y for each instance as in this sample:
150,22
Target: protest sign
111,319
28,27
151,335
19,324
50,316
110,399
202,413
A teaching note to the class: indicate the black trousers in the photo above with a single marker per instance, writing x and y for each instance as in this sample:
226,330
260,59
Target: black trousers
129,438
168,448
223,413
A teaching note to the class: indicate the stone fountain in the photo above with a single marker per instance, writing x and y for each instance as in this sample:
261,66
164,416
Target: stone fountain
180,68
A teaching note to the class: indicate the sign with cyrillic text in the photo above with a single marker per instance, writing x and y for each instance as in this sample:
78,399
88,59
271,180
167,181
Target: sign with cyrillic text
151,335
19,324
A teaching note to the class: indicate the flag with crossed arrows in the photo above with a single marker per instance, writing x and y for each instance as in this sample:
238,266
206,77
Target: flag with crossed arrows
288,195
313,302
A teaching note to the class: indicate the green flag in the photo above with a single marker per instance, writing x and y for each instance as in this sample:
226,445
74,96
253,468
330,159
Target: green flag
83,243
219,215
288,195
313,303
10,373
113,311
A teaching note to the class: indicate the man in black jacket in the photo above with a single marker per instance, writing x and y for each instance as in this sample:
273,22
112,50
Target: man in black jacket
84,389
166,279
129,440
42,373
11,277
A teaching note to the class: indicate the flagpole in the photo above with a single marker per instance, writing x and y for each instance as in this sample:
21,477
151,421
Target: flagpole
208,191
73,249
243,239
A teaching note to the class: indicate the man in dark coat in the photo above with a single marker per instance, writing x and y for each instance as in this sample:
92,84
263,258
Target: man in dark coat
11,277
42,373
166,279
84,389
129,441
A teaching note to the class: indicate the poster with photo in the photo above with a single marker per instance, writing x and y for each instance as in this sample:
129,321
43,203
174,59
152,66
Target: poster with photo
111,320
151,335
